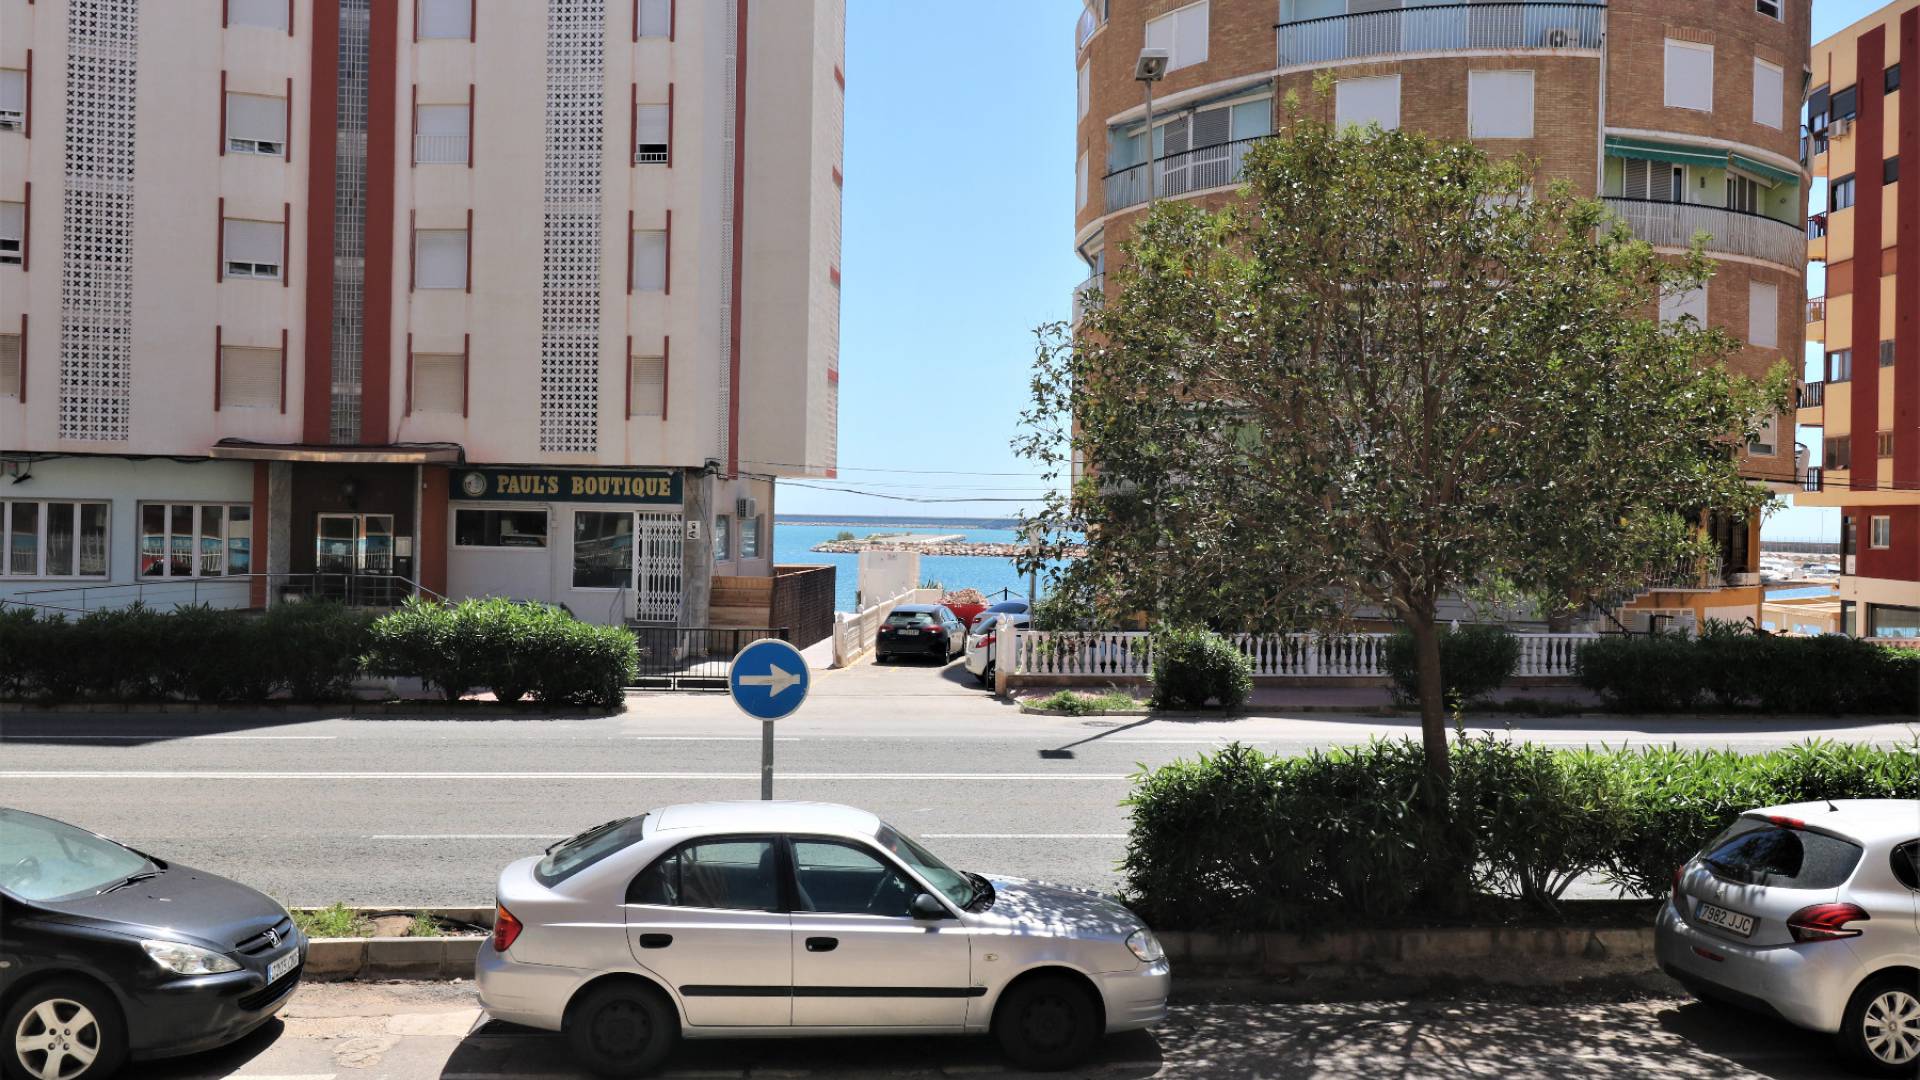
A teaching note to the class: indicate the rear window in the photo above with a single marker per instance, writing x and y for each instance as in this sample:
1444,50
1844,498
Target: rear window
1906,864
910,618
573,855
1757,852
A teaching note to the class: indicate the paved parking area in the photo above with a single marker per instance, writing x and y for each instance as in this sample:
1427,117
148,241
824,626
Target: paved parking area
432,1031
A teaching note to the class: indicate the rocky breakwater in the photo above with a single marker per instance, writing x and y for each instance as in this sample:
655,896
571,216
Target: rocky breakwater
938,547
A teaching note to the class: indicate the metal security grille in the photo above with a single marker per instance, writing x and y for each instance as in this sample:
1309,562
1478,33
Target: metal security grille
658,543
96,259
729,139
349,223
570,250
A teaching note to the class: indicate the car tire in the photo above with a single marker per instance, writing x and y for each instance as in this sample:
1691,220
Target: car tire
623,1029
1047,1024
1890,998
89,1020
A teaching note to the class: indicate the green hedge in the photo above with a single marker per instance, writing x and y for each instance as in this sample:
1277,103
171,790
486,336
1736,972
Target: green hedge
1674,673
1192,666
1243,840
511,648
1474,661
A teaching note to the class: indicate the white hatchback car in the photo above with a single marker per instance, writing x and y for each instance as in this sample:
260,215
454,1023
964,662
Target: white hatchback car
766,919
1811,913
980,642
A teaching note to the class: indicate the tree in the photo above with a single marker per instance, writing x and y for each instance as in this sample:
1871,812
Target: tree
1395,371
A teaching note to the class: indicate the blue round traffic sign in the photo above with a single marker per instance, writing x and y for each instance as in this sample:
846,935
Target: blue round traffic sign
769,679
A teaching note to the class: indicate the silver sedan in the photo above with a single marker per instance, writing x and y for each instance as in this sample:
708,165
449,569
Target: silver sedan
766,919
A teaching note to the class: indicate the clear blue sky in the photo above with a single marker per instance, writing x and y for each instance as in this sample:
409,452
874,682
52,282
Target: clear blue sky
957,242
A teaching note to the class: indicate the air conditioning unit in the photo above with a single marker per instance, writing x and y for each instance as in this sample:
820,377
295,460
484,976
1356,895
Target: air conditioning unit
1560,37
746,508
1840,129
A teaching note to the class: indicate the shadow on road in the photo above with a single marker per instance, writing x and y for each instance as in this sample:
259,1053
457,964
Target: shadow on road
225,1061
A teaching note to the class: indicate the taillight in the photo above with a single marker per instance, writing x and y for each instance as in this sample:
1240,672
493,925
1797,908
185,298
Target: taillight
987,642
1786,822
506,929
1825,922
1678,873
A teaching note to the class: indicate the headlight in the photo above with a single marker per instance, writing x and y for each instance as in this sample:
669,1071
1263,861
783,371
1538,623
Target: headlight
1145,946
183,959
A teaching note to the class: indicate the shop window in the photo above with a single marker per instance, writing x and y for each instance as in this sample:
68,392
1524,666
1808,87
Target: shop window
188,540
500,528
1880,532
722,538
257,124
750,537
602,549
53,538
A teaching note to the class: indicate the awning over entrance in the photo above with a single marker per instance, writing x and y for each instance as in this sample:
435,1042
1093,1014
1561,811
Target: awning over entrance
1649,150
398,454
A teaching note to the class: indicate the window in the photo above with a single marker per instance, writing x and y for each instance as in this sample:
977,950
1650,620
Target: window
750,537
1754,851
13,233
650,260
1080,183
1837,453
571,856
1906,862
53,539
444,19
1763,315
13,99
1886,354
440,259
1880,531
1688,303
500,528
1885,439
440,134
253,249
1891,79
649,386
1885,621
651,135
1085,90
1500,104
182,540
1659,181
722,538
249,377
1182,33
9,365
1845,104
656,18
1769,94
1769,8
1743,194
602,549
1890,170
1765,442
265,14
1367,101
439,383
257,124
844,879
730,875
1840,193
1840,365
1689,76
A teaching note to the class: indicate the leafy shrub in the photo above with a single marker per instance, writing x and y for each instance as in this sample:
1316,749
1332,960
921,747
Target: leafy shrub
569,662
1193,666
1647,674
313,647
1474,661
1671,672
512,648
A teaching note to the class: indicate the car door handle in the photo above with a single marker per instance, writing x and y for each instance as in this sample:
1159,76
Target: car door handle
822,944
655,941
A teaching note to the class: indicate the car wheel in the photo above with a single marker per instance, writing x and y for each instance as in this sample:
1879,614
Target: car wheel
1047,1023
623,1029
64,1030
1881,1030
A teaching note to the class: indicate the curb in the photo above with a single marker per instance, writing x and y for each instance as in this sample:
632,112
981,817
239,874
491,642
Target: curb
337,959
333,709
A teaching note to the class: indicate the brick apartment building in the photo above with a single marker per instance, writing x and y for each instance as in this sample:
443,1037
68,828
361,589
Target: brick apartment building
1866,404
1681,115
531,298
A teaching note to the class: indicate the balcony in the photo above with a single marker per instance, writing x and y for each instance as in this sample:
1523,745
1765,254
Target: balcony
1177,174
1097,283
440,149
1442,28
1813,395
1817,309
1669,224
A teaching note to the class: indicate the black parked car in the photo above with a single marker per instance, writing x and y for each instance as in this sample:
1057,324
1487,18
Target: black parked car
921,630
109,954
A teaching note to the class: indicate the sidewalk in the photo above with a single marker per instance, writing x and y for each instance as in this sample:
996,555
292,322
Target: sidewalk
1355,699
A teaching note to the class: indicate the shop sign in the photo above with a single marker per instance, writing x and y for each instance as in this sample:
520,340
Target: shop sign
567,485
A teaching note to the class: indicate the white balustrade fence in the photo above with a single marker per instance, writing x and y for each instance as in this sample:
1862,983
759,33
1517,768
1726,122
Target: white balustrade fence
1129,654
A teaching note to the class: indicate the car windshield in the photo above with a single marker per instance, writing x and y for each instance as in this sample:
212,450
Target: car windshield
43,859
575,854
956,885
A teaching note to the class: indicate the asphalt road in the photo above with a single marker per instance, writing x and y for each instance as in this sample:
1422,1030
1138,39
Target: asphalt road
395,811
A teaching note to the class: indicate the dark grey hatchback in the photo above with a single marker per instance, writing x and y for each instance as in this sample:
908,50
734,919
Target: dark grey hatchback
922,630
108,954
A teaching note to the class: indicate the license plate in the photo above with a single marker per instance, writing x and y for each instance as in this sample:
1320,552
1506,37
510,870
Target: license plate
1731,921
282,965
909,633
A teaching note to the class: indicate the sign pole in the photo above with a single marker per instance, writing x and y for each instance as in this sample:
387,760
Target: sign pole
766,760
768,680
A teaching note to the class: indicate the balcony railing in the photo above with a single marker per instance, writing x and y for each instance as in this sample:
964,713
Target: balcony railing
1816,226
1443,28
1176,174
1813,479
1813,395
440,149
1096,283
1668,224
1817,309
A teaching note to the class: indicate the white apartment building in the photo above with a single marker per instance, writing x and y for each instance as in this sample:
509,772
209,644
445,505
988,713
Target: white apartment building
531,298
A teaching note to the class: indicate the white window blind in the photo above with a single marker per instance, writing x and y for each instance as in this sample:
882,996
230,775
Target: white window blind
1085,92
656,18
446,18
1367,101
1182,33
440,134
1769,94
253,249
13,99
268,14
9,365
439,382
249,378
13,233
649,386
650,126
1689,75
1763,314
1675,305
440,259
1500,104
257,124
649,260
1080,183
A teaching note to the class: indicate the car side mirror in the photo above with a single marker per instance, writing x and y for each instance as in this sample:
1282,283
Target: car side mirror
926,907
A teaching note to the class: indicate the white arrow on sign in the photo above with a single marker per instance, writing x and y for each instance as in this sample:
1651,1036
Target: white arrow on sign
777,680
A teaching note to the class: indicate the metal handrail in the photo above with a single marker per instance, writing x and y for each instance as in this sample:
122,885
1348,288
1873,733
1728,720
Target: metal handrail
1439,28
1196,169
393,583
1673,224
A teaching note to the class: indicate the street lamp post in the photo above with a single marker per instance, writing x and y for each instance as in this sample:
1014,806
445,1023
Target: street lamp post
1150,69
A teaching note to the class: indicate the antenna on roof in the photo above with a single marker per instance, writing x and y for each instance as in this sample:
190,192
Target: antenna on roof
1832,807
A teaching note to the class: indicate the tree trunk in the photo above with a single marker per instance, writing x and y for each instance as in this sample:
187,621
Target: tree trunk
1433,697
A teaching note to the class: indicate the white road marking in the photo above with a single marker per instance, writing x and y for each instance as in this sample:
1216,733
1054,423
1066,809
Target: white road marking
468,836
163,737
201,774
1023,836
712,738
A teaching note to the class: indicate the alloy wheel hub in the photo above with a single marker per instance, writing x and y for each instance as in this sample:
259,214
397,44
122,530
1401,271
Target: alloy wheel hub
1892,1027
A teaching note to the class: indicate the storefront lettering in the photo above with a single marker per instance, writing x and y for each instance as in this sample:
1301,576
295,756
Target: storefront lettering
570,485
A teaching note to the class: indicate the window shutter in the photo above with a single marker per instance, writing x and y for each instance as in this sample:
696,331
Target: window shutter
440,134
656,18
10,365
1689,75
439,382
1500,104
445,18
1085,89
268,14
249,378
650,260
1252,119
1769,94
1364,101
1763,315
442,120
1080,182
257,118
256,245
1176,136
1673,306
649,386
13,223
440,259
1190,35
650,134
1210,127
1635,178
1160,36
